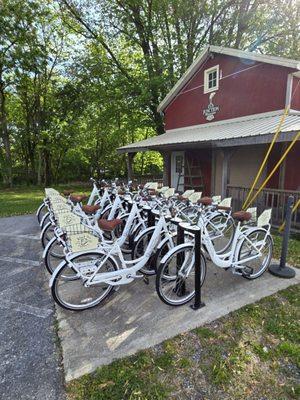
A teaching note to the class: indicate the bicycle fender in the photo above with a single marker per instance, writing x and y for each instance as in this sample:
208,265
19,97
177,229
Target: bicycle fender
57,269
151,228
48,245
104,210
169,253
44,229
166,239
44,217
40,207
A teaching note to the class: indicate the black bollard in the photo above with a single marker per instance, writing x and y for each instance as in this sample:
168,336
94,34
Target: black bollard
197,302
151,218
282,270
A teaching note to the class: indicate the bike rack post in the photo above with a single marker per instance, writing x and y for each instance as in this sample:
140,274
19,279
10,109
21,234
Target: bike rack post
150,216
198,302
282,270
129,206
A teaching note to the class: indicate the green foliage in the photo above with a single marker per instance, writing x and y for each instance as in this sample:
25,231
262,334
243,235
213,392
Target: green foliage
79,79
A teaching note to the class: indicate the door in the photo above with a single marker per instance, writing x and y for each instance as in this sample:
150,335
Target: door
177,170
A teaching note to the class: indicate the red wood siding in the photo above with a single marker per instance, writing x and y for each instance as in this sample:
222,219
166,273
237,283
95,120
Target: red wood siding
295,104
292,169
272,161
259,88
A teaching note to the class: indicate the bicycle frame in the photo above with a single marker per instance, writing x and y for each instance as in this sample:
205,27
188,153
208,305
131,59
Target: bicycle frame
126,273
94,193
229,259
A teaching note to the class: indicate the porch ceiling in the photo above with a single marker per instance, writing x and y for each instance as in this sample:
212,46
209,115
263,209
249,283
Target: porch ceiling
253,129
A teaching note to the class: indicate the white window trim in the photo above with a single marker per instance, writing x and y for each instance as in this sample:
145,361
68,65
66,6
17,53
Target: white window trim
206,74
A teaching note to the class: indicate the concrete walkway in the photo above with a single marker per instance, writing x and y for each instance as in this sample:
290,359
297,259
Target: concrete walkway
30,366
134,318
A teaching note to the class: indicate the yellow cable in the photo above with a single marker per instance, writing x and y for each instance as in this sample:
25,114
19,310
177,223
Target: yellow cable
293,210
278,130
275,168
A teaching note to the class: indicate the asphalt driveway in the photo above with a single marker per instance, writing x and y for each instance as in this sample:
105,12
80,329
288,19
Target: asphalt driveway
30,361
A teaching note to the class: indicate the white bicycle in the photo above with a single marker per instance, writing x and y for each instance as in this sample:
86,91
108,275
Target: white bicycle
249,256
84,280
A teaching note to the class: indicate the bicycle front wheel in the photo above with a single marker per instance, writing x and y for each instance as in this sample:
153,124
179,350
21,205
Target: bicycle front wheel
68,288
48,234
175,279
42,210
54,255
139,249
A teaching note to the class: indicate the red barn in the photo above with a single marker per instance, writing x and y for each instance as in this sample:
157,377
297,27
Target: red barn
219,119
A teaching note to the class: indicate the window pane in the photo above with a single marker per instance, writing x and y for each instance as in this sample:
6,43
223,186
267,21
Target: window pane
212,79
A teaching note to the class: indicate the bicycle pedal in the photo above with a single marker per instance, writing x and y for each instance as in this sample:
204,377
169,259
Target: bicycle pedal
248,271
237,271
146,280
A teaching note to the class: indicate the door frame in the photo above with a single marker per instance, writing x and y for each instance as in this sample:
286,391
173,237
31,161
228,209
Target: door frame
174,169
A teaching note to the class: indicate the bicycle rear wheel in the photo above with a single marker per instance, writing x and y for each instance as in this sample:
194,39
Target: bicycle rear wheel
222,229
175,279
253,268
68,288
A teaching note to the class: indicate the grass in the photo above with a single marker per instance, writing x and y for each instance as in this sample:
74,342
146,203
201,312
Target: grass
26,200
293,257
253,353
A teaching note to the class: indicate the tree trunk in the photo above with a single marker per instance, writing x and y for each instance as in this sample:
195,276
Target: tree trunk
47,166
7,172
39,171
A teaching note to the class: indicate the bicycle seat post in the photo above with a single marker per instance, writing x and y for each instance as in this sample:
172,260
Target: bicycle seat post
179,261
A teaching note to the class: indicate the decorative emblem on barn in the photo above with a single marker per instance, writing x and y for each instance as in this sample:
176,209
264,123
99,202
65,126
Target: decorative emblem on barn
211,109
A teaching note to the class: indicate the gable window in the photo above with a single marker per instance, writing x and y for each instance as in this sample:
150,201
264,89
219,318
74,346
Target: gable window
211,79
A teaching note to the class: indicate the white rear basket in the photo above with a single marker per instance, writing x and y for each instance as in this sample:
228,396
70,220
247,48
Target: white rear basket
151,185
163,189
216,199
264,218
187,193
194,197
66,219
83,242
168,193
226,202
253,212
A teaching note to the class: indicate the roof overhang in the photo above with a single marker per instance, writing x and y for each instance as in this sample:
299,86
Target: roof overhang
253,129
281,61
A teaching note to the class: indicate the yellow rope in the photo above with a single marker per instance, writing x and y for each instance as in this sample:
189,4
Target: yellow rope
274,169
293,210
247,203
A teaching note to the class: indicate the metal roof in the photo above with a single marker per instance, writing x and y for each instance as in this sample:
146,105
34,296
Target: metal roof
237,131
284,62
